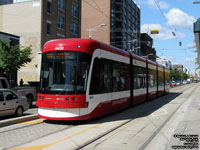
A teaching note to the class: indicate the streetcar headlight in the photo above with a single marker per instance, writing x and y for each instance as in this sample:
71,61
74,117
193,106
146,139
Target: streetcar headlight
67,98
73,98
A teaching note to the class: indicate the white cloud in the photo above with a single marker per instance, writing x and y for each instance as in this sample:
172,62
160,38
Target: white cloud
189,61
161,4
164,33
191,45
180,19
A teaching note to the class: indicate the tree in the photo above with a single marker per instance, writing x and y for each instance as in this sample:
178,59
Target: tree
177,75
12,58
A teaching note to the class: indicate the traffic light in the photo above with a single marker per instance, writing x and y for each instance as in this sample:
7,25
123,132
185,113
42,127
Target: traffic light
180,43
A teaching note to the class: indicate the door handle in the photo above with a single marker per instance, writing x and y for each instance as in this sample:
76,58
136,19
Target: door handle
4,103
17,102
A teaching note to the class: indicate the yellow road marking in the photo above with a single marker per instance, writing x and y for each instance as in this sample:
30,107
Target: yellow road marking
39,147
31,122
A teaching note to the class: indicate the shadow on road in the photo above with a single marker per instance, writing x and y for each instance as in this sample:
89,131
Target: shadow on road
137,111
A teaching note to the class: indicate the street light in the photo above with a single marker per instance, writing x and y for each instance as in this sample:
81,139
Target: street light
94,29
135,48
147,56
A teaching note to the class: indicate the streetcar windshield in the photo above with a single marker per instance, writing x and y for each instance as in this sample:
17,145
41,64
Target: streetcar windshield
64,72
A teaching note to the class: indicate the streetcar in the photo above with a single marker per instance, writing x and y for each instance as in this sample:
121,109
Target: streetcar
83,79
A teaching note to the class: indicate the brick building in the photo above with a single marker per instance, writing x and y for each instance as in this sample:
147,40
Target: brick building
37,21
178,67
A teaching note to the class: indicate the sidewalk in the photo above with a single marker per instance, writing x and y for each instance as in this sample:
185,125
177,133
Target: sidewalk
183,129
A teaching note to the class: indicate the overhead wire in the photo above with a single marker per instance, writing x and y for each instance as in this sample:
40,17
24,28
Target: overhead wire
173,32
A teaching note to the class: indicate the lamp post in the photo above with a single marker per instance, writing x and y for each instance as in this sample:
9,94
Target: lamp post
94,29
147,56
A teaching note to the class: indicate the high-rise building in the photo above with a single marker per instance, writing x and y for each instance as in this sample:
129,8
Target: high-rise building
146,47
37,21
122,20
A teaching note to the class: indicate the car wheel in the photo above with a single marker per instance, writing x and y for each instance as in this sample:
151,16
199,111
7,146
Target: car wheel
19,112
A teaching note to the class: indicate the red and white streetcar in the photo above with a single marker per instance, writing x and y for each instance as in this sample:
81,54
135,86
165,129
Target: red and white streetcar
83,79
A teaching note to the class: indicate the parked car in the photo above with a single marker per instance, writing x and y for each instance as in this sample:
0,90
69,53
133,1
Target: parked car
172,83
178,83
184,82
11,103
28,91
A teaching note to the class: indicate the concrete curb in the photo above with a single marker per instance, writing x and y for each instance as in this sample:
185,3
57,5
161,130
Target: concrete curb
12,121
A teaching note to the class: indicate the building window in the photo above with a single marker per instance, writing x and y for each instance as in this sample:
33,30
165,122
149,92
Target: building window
60,36
60,22
61,5
74,28
48,27
49,7
74,11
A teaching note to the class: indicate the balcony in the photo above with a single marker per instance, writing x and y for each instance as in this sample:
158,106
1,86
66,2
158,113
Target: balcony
119,19
118,10
119,2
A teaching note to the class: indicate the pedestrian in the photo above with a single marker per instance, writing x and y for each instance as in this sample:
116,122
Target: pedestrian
21,82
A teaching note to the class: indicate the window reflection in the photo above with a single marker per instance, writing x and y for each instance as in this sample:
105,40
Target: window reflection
64,72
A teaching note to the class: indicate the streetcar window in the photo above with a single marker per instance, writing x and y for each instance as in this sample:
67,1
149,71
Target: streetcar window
64,72
152,78
160,78
167,79
140,80
109,76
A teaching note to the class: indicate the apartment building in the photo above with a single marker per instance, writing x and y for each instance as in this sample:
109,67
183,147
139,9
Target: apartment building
38,21
146,47
115,22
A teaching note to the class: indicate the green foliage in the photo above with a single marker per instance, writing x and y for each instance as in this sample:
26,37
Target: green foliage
12,58
177,75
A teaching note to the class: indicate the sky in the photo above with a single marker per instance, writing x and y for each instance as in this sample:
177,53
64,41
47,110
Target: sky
175,16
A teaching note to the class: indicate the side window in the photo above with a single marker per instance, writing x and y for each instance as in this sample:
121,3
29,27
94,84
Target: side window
109,76
160,78
8,95
101,81
167,78
1,97
120,76
152,78
140,80
96,78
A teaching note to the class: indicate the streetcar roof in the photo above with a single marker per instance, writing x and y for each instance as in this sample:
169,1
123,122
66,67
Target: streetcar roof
80,45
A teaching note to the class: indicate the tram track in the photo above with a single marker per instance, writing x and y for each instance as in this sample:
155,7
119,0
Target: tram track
101,121
144,146
181,89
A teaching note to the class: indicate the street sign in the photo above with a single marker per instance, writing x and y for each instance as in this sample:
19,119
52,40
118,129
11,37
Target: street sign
154,31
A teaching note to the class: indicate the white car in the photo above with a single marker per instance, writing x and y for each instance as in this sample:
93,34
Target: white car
11,103
184,82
